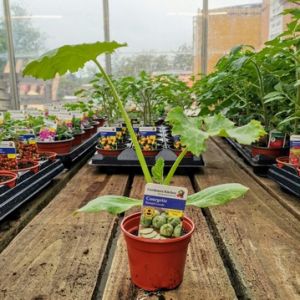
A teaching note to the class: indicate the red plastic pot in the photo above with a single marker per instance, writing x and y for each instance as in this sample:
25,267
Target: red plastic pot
87,133
270,152
95,127
100,121
283,161
156,264
78,138
111,153
178,152
50,155
34,168
10,182
59,147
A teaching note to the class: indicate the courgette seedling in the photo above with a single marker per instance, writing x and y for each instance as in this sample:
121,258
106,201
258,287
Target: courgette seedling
194,132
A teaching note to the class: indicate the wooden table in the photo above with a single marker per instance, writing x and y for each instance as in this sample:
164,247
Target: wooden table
248,249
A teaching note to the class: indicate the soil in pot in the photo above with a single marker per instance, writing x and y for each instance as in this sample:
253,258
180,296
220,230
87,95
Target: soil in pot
156,264
8,178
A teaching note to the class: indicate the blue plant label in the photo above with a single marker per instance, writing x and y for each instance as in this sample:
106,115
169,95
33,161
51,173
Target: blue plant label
8,148
162,211
107,131
146,131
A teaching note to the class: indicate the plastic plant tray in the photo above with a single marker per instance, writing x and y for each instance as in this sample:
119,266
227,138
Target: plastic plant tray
28,185
259,163
86,148
127,160
287,177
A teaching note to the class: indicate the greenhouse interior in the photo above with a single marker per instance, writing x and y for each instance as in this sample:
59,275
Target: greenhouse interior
149,149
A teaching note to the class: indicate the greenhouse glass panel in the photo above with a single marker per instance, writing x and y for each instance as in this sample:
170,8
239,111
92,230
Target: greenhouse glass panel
42,26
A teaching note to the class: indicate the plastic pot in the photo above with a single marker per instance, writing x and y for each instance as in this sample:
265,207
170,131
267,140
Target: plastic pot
270,152
50,155
59,147
87,132
95,127
100,121
9,182
78,138
111,153
33,168
156,264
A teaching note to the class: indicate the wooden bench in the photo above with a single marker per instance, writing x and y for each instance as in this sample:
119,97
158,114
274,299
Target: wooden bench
247,249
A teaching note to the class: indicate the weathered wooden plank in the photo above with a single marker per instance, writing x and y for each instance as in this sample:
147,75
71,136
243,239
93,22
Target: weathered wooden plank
260,236
205,276
59,255
289,201
11,226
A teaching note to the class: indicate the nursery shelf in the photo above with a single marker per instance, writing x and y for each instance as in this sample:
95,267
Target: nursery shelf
127,161
28,185
287,177
259,163
86,148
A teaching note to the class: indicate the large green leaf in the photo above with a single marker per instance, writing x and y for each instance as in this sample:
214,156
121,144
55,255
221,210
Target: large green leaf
217,195
110,203
68,58
189,130
158,170
247,134
217,125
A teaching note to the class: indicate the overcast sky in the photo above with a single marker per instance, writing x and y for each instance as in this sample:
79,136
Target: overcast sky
158,25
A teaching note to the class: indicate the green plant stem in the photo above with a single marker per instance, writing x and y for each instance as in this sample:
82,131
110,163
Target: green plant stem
124,114
262,92
297,102
175,166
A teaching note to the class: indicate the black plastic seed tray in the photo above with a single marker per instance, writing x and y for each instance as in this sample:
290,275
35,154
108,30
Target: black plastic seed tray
287,177
259,163
86,148
128,161
28,185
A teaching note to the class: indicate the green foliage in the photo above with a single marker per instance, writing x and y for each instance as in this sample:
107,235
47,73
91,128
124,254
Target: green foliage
217,195
212,196
150,95
194,131
158,170
110,203
68,58
259,85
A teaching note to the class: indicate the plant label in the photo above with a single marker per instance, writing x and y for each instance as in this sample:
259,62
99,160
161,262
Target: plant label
294,157
162,211
146,131
276,139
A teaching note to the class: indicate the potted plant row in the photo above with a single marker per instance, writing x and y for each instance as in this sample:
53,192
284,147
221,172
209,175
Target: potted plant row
261,85
165,258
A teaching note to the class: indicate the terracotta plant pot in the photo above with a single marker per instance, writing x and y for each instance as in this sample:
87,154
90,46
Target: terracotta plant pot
87,132
283,161
95,127
150,152
111,153
156,264
100,121
178,152
59,147
78,139
50,155
11,182
33,168
270,152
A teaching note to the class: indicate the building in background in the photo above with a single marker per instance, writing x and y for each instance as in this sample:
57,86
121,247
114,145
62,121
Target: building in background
243,24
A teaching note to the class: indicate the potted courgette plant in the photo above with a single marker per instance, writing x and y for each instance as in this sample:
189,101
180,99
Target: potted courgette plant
163,259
